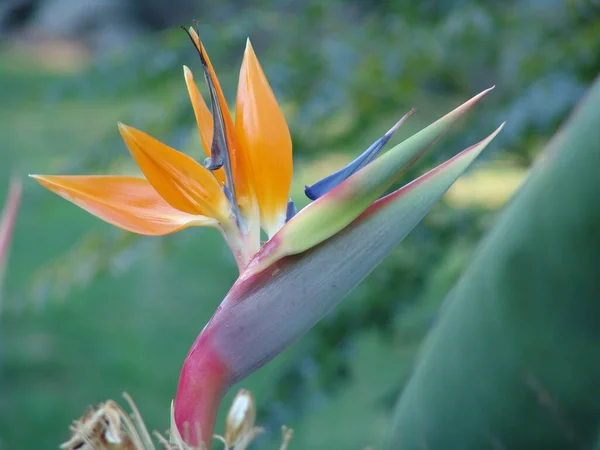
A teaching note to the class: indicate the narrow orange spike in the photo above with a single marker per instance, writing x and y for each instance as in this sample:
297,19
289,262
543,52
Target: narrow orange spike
239,160
126,202
263,132
201,111
203,118
179,179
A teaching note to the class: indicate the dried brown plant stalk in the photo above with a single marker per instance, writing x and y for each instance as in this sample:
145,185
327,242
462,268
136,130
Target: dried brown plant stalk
107,426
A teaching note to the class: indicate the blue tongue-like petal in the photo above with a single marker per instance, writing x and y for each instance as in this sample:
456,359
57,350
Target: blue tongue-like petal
323,186
290,211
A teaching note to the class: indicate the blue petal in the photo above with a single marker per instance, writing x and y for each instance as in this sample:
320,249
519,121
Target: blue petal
219,153
323,186
290,211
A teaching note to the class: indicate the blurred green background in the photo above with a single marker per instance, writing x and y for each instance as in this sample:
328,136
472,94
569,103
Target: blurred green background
89,311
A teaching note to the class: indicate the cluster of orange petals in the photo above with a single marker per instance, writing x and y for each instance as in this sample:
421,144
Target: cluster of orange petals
177,192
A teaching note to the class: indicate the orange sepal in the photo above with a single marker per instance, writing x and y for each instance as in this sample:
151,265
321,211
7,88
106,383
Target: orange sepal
239,161
126,202
203,118
263,133
179,179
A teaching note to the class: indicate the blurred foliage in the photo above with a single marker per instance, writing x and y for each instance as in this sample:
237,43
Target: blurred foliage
344,71
518,340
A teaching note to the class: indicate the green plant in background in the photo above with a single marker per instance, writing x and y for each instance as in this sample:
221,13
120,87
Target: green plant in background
514,360
311,260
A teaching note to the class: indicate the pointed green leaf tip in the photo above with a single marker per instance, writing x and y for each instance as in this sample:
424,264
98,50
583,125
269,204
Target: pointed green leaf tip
335,210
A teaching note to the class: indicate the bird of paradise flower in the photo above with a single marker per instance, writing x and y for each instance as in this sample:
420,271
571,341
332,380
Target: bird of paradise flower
312,258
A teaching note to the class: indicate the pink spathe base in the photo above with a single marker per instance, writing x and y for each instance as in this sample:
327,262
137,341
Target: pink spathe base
203,382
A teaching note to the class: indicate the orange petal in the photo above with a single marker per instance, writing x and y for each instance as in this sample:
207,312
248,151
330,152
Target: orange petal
203,118
179,179
239,159
263,132
126,202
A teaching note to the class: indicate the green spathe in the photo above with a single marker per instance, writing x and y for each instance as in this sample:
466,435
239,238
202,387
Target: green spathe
280,304
332,212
